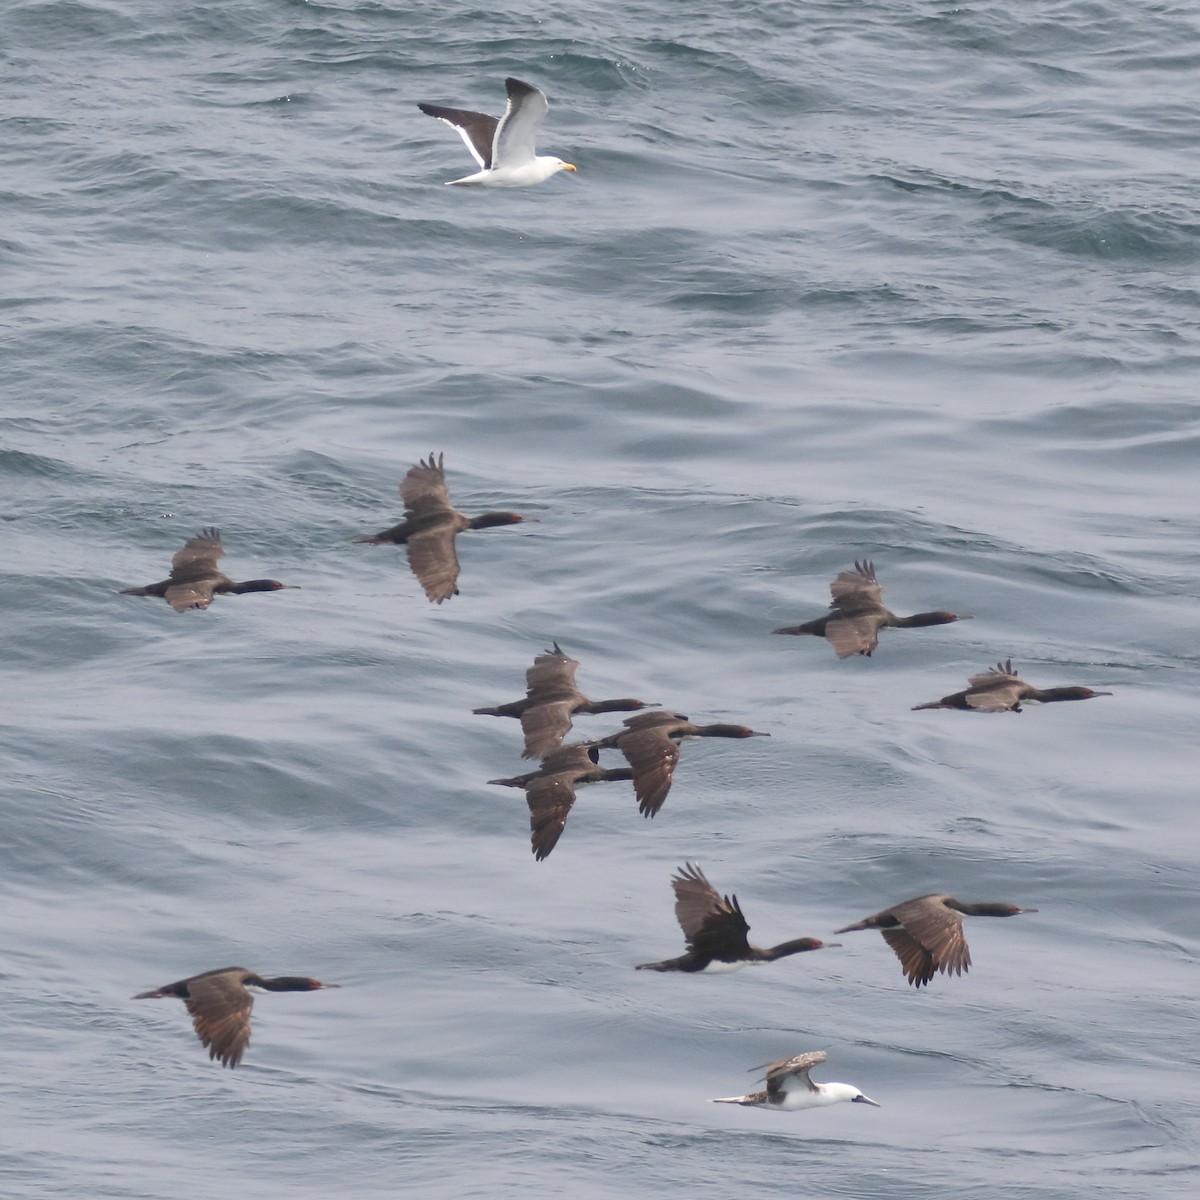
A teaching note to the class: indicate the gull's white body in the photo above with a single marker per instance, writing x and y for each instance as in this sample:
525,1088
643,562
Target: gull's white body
537,170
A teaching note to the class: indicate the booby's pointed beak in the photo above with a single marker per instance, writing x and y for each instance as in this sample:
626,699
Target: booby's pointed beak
861,1099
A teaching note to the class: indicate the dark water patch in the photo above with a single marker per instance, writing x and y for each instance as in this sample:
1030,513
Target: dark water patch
125,173
1136,236
15,463
65,23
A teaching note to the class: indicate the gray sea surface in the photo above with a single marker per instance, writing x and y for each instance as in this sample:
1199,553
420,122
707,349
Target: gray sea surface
900,281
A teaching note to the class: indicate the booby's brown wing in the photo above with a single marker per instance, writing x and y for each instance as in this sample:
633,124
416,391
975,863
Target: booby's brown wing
220,1006
653,756
550,798
424,489
853,634
936,930
856,588
545,726
434,561
788,1074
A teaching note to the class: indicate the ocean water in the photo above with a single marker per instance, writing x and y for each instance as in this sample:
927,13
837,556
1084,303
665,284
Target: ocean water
910,282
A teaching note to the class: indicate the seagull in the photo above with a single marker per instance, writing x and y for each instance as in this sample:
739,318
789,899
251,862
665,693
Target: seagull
926,933
715,930
220,1002
195,580
856,614
503,146
789,1087
551,699
1000,690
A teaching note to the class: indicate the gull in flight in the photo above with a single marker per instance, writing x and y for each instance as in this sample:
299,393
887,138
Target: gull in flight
503,146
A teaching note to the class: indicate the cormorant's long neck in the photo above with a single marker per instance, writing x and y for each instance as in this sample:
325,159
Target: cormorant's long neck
982,909
919,619
604,706
283,983
250,585
1049,695
488,519
795,946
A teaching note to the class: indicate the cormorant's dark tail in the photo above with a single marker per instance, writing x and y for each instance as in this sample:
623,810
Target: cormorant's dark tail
811,628
670,964
501,710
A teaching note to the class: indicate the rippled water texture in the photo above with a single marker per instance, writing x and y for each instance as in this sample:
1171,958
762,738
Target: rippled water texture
834,281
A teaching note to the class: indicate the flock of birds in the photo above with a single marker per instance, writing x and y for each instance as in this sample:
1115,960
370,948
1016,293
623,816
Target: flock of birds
925,933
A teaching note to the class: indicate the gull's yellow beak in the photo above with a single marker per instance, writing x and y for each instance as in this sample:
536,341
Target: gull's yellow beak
568,167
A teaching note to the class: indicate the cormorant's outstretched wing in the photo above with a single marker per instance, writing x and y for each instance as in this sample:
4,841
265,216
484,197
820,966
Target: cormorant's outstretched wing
424,489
